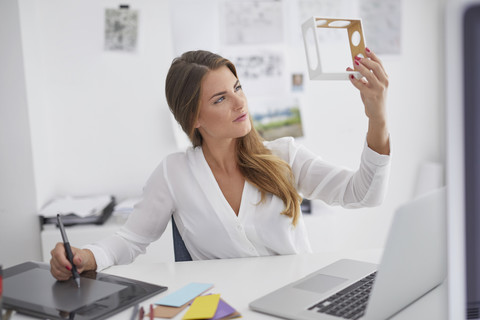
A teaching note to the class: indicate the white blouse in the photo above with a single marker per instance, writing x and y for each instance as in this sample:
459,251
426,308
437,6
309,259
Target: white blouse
184,186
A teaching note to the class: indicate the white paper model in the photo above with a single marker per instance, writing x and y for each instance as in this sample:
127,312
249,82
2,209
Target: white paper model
312,47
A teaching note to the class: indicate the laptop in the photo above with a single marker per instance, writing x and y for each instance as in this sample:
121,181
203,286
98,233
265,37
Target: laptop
413,263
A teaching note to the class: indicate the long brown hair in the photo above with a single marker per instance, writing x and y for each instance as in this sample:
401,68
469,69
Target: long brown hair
260,167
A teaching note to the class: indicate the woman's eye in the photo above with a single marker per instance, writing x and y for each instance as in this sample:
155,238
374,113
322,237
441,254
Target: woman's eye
239,87
219,100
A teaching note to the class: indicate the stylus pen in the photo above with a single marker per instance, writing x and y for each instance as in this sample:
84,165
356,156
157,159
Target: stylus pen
135,312
76,276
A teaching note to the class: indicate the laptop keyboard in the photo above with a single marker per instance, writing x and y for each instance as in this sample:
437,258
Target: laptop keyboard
351,302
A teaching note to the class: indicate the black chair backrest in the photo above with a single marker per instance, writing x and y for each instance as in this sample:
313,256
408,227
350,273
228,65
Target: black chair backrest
179,248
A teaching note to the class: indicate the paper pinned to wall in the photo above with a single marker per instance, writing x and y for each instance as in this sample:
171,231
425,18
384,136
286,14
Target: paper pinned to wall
261,71
121,29
252,22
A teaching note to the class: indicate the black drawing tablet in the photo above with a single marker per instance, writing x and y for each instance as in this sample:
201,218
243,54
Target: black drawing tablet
29,288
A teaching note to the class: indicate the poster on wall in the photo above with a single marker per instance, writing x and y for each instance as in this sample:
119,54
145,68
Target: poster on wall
121,29
251,22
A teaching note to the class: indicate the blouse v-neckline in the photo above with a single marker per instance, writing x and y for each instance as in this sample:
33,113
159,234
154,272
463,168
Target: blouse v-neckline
220,200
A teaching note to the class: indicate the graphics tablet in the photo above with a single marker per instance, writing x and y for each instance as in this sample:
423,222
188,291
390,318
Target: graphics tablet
29,288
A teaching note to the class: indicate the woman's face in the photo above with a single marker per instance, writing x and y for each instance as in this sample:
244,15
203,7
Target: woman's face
223,107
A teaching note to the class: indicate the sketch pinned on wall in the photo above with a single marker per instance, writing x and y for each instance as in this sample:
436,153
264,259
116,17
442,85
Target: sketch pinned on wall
261,72
382,25
259,66
325,8
276,118
252,22
121,29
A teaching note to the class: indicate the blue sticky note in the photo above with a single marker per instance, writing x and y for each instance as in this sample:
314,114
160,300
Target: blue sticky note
185,294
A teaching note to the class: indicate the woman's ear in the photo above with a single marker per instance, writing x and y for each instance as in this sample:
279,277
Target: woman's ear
197,123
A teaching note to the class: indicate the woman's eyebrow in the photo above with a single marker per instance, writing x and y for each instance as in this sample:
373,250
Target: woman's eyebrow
224,92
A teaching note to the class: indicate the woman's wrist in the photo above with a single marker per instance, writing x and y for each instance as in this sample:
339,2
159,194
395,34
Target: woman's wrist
378,137
90,262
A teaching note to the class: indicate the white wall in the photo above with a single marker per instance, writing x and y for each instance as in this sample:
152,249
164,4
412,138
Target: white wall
99,119
99,122
19,227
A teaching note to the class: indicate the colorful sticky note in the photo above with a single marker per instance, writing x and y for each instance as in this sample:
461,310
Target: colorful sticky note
203,307
184,295
167,312
223,310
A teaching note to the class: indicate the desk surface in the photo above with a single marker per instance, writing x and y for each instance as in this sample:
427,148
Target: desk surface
239,281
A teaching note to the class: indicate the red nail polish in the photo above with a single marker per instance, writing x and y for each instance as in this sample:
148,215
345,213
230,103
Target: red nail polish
68,268
357,63
352,77
357,58
366,49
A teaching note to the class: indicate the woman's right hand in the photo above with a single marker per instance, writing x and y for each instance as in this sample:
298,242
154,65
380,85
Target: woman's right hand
61,268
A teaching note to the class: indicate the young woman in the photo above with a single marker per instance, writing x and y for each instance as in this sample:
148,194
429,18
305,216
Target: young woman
232,194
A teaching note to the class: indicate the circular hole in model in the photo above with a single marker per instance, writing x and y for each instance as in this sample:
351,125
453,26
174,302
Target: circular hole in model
356,38
339,23
320,23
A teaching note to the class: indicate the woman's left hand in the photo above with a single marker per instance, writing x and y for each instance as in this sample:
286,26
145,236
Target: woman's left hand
373,90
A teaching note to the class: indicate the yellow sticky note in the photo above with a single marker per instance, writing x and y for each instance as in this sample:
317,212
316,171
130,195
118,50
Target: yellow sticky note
203,307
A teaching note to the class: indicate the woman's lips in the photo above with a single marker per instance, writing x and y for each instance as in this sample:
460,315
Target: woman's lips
241,118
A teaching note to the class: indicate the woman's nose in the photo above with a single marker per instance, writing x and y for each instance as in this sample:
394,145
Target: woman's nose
238,103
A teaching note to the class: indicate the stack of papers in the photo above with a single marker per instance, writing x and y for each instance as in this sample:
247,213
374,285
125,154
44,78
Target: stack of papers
78,210
80,206
200,307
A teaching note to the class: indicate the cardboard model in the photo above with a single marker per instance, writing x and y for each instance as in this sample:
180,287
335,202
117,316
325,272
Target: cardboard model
310,38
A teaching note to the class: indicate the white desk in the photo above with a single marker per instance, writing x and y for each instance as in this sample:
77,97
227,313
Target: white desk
239,281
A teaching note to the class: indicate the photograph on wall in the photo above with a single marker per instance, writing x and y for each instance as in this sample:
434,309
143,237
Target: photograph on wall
276,118
297,82
121,29
251,22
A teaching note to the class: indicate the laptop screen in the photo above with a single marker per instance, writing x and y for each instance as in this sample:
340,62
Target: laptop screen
471,43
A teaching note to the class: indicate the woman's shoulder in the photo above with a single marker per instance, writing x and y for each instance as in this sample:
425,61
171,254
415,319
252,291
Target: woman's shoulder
281,147
279,143
180,159
170,164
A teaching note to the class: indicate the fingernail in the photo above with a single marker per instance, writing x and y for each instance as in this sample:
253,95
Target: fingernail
366,49
352,77
357,63
358,58
68,268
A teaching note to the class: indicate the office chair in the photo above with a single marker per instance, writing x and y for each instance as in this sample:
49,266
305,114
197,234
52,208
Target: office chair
179,248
